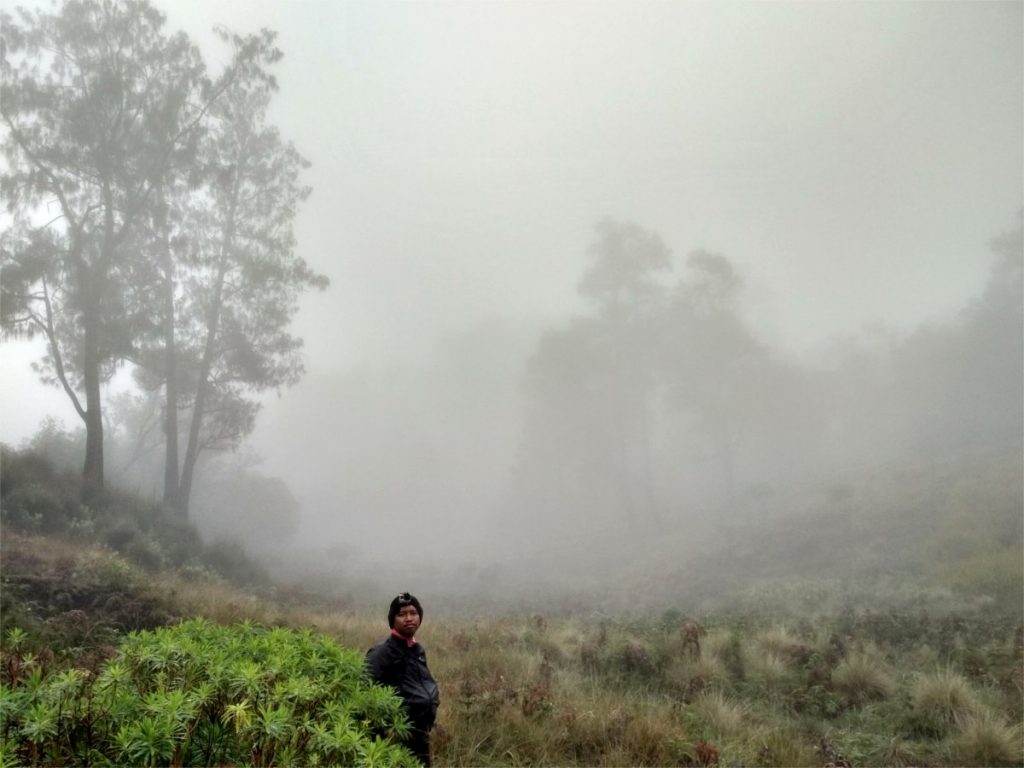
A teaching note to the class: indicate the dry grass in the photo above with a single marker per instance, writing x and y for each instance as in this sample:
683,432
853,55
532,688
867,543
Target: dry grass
941,699
729,718
766,666
520,691
864,676
987,740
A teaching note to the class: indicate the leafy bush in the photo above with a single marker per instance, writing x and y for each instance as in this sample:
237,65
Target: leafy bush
202,694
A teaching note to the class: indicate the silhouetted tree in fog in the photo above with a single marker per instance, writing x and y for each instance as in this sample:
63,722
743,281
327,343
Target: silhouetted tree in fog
628,300
960,381
226,329
153,213
96,101
587,439
709,355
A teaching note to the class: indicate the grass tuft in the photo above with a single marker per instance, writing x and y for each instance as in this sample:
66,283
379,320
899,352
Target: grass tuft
941,699
987,740
862,677
727,717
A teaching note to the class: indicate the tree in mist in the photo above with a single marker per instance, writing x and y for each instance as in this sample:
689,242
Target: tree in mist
709,354
628,301
153,210
230,286
590,386
958,382
233,500
96,102
629,406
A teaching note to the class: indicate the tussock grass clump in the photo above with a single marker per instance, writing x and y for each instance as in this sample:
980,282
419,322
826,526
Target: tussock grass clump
940,699
780,746
686,678
766,667
863,676
775,638
648,739
900,753
727,717
987,740
717,643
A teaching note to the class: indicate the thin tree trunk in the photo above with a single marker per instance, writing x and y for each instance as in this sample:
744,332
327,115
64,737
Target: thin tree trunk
206,364
171,484
199,406
92,472
91,279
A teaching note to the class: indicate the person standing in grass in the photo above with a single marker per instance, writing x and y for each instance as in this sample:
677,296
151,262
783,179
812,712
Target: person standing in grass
401,662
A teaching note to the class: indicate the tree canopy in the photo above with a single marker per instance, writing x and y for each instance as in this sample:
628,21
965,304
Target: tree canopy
152,210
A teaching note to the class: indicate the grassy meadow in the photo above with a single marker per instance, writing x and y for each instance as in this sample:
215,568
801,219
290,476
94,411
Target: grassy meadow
882,688
809,671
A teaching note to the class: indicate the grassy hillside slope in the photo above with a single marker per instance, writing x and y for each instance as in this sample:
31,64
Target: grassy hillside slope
789,671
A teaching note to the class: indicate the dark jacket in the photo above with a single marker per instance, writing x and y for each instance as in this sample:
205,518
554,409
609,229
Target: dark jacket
404,668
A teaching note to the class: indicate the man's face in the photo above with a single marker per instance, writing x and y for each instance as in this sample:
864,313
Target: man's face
407,620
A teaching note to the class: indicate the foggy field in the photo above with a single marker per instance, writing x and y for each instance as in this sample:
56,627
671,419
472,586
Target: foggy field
933,679
902,647
672,354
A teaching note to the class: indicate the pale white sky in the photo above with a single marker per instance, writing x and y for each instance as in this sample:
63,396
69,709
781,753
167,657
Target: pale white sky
852,159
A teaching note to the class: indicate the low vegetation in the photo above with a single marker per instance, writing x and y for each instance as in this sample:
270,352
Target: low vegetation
111,659
201,694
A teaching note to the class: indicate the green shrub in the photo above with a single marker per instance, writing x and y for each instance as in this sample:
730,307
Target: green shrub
201,694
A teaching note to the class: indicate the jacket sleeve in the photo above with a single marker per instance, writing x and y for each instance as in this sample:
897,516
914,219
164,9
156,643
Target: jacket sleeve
382,664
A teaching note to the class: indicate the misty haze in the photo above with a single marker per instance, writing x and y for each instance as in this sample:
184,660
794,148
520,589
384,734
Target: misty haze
678,313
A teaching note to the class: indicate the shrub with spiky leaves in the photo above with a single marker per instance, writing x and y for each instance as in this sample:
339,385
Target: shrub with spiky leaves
202,694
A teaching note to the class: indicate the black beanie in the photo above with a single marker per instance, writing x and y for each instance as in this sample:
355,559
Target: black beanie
399,603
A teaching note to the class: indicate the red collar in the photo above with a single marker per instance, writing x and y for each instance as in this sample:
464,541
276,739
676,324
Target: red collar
409,641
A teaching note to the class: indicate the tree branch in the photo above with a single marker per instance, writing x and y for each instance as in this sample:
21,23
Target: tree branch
58,360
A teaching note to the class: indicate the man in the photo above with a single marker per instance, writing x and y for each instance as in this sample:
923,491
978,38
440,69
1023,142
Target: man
401,662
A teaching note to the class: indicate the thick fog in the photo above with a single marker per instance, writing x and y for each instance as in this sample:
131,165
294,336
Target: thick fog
611,280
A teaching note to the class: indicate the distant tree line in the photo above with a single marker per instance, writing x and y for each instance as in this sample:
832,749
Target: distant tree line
152,208
661,397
